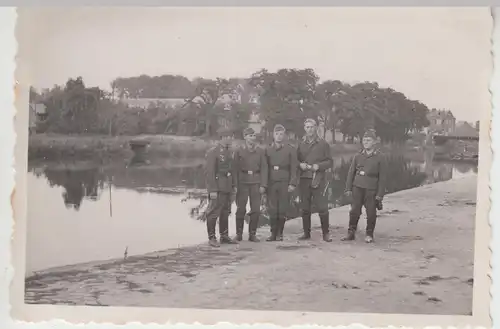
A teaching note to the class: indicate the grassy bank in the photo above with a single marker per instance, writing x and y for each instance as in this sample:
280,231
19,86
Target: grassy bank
105,149
421,263
112,148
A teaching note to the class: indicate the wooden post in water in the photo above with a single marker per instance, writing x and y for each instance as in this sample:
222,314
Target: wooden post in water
110,199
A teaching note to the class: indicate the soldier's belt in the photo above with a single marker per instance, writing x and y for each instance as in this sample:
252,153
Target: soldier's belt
363,173
250,172
224,174
275,168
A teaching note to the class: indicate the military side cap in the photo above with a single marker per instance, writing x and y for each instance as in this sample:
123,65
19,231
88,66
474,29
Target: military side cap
310,120
248,131
279,127
223,131
370,133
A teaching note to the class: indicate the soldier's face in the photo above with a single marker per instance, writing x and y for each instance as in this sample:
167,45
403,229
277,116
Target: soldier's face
279,136
368,142
310,129
250,139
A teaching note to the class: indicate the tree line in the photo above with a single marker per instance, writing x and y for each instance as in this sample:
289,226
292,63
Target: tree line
286,96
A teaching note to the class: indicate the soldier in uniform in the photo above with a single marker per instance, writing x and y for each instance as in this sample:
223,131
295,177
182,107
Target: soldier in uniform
366,185
315,159
221,184
251,176
283,164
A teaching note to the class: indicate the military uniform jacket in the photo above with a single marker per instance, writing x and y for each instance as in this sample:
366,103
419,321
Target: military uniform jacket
368,171
250,166
219,170
283,163
315,152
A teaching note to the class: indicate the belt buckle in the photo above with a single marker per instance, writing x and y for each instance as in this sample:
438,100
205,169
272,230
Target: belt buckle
362,173
276,167
228,174
250,172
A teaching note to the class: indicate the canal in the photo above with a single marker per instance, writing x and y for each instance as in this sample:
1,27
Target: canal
94,213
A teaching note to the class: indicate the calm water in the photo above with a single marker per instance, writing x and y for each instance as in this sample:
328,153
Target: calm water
77,216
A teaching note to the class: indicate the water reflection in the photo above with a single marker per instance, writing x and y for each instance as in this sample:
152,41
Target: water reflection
148,204
60,233
88,183
78,184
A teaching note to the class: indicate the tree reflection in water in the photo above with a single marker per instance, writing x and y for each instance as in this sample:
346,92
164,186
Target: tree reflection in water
77,184
88,183
404,174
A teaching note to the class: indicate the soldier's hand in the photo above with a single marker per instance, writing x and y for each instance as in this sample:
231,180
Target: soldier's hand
303,166
348,193
235,189
315,167
262,190
213,195
378,198
291,188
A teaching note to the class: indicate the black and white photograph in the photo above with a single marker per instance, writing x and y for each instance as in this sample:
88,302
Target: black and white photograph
301,160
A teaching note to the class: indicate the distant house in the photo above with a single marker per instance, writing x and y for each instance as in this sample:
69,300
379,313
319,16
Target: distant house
254,98
256,123
243,93
465,129
227,100
441,122
37,113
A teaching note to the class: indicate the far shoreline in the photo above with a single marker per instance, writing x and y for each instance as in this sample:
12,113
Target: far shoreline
105,150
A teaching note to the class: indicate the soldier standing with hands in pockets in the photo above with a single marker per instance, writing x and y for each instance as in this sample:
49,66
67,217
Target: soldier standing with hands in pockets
221,183
314,156
365,184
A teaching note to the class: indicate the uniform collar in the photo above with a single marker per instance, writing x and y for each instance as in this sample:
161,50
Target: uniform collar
314,140
250,149
374,152
223,147
278,146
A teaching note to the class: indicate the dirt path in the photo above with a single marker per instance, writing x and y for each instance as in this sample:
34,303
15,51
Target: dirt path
421,262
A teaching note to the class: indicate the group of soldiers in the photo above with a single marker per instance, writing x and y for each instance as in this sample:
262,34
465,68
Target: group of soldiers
273,173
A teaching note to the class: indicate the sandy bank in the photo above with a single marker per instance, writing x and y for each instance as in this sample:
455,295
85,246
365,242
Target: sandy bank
421,262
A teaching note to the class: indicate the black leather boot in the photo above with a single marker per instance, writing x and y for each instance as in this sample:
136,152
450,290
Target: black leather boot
353,226
351,234
272,237
213,242
273,225
240,222
325,227
252,228
280,228
253,237
227,240
306,224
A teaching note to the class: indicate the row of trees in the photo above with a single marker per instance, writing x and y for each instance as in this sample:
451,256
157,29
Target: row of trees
286,96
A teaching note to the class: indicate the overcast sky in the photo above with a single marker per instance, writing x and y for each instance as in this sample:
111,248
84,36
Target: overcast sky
440,56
